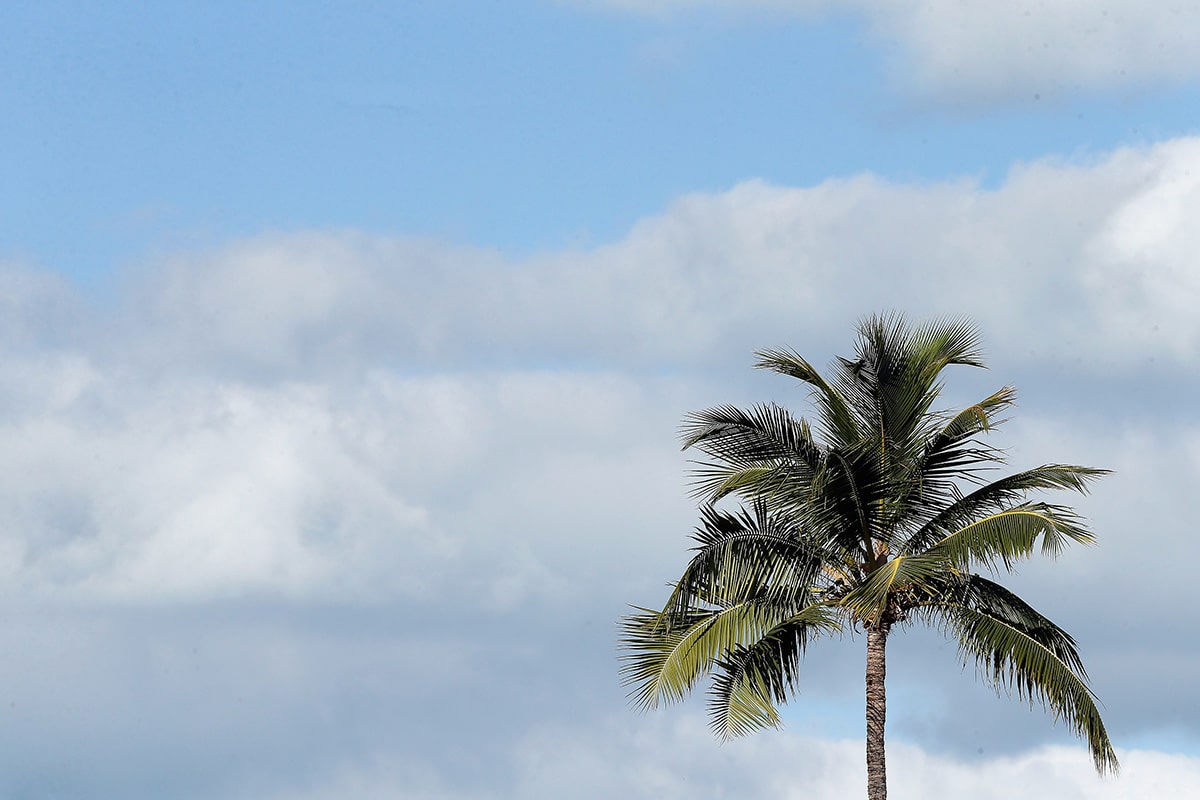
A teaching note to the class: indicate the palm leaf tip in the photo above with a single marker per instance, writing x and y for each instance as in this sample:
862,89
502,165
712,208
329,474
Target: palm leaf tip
1040,670
752,679
952,341
1077,477
739,709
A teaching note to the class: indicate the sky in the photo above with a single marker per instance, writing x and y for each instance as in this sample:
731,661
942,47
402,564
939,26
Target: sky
345,349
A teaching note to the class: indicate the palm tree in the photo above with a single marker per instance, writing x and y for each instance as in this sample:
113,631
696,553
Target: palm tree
875,517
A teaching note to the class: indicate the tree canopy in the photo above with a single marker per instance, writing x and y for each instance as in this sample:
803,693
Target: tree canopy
875,513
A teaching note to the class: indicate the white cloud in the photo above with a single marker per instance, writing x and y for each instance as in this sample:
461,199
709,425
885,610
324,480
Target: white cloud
681,761
1015,49
1088,256
339,415
482,447
190,487
122,486
1028,47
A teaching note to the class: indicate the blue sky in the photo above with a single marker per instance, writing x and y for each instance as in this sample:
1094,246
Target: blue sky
344,350
524,126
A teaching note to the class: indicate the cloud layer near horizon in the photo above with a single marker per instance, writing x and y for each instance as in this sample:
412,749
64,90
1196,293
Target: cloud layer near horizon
467,455
678,762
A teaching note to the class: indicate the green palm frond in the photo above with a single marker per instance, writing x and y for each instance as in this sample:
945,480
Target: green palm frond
649,641
753,678
975,419
871,599
750,556
940,343
763,433
837,420
950,454
999,539
783,481
997,496
1013,659
667,654
996,541
852,498
996,601
894,380
760,452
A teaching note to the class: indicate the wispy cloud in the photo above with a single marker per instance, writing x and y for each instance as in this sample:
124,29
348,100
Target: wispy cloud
984,51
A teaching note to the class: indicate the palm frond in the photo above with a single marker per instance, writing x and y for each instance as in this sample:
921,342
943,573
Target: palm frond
997,496
1013,658
974,419
951,454
752,678
1000,539
996,601
894,380
765,432
837,420
871,599
750,556
667,654
940,343
996,541
712,481
648,641
758,453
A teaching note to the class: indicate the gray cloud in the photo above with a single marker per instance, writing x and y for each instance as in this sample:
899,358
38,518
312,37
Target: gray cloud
326,513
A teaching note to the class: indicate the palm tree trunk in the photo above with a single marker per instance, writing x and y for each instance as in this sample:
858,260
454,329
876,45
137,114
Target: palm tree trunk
876,711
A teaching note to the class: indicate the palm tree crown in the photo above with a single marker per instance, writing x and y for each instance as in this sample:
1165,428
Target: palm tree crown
874,516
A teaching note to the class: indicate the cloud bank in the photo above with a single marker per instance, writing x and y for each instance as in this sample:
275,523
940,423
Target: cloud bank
679,762
294,412
371,505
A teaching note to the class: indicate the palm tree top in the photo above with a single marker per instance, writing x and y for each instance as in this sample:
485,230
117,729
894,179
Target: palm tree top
877,514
